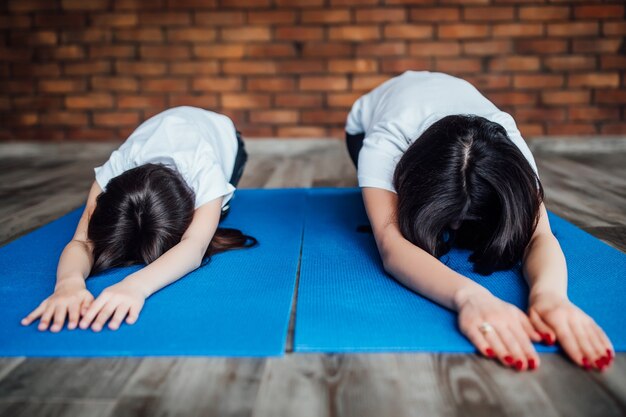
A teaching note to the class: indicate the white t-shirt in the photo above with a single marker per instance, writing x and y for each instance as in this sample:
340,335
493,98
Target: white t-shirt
396,113
201,145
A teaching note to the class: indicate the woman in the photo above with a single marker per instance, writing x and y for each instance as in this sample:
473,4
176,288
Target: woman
440,165
157,201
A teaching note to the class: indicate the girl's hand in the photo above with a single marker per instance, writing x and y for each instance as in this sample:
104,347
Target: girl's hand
69,297
123,300
556,318
498,329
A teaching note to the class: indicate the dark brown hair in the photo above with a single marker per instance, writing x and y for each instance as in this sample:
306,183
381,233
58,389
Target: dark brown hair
142,214
464,182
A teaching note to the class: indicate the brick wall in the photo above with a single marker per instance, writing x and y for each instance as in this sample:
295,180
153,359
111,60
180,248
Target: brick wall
93,69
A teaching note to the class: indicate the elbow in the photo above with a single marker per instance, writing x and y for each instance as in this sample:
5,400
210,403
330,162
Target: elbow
386,254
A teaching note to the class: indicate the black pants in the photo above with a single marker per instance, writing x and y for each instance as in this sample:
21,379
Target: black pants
240,162
354,143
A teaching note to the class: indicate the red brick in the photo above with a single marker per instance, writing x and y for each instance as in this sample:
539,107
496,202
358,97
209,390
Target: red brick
368,82
408,31
343,100
90,101
23,119
219,18
232,50
605,11
435,14
379,49
63,118
270,84
87,68
18,86
15,54
117,83
614,28
324,117
300,66
275,117
326,16
573,29
116,119
90,35
544,13
274,16
540,114
140,68
458,65
140,102
463,31
566,97
323,83
571,62
382,14
111,51
326,49
205,101
613,128
427,49
518,30
164,85
37,102
515,63
20,21
245,101
116,19
299,3
354,33
35,70
593,114
30,5
540,46
91,5
65,52
513,98
249,67
538,81
597,45
216,84
191,35
569,128
616,62
137,4
489,13
61,86
594,80
491,47
302,33
90,133
247,33
397,65
139,35
165,52
165,19
300,100
260,50
34,38
490,82
531,129
302,132
612,96
346,66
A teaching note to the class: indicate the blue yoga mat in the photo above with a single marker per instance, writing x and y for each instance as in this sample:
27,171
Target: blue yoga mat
238,304
346,302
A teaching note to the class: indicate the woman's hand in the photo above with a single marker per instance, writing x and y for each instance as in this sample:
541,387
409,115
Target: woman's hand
556,318
123,300
498,329
69,298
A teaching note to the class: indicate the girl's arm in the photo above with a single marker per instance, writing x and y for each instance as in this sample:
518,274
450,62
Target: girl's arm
70,292
125,299
421,272
550,310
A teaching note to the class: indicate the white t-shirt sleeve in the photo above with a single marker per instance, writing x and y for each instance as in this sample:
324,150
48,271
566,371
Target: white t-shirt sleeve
354,123
209,182
377,162
116,165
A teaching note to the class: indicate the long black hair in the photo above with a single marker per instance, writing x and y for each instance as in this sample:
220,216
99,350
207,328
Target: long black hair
463,182
142,214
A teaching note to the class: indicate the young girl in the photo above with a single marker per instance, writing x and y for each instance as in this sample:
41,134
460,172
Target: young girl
439,165
156,201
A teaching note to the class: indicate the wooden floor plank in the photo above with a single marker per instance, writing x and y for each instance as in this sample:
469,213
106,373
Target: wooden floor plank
47,408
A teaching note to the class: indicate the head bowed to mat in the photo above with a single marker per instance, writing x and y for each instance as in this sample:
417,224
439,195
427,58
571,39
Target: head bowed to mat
238,304
347,303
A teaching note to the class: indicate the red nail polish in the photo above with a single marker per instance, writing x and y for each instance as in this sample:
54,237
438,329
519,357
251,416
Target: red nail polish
532,364
586,364
549,339
508,359
599,363
490,353
519,364
609,353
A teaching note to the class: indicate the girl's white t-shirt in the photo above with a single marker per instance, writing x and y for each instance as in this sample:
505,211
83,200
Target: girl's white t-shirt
201,145
396,113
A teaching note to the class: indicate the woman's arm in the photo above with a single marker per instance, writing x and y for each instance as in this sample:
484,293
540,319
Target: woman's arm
70,292
126,298
426,275
550,310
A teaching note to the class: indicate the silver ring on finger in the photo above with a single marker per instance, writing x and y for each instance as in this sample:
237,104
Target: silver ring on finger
486,328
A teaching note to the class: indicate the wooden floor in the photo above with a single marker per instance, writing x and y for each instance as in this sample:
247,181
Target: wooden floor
41,182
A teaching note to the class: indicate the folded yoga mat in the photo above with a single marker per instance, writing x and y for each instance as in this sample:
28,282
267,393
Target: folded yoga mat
238,304
346,302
